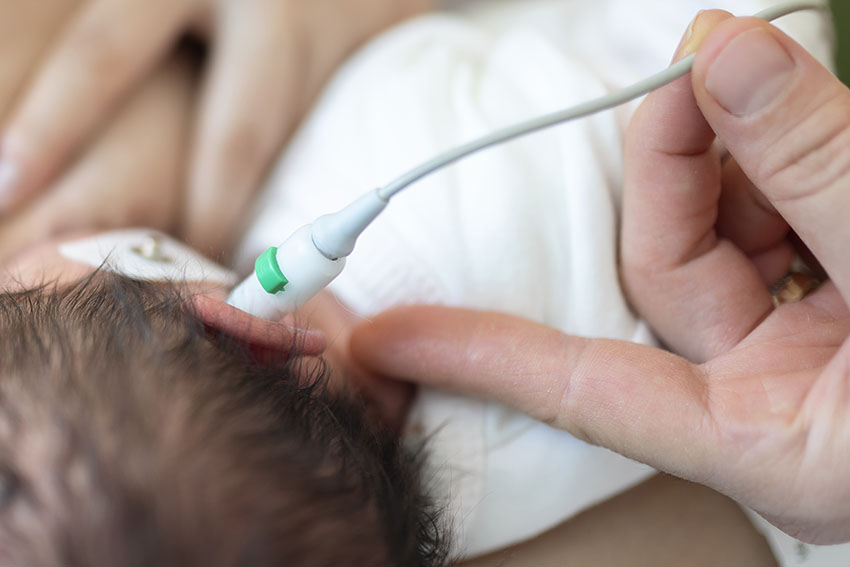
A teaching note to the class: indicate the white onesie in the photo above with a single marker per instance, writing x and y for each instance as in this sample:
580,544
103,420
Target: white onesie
529,228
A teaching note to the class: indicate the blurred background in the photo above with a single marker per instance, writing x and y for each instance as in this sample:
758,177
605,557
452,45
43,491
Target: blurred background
841,8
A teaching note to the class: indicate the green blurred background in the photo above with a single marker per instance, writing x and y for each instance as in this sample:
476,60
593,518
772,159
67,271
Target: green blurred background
841,9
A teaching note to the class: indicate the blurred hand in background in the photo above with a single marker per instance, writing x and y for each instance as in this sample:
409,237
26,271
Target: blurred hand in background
67,67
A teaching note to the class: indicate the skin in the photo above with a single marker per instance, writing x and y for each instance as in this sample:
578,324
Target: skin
661,522
144,158
756,405
321,328
141,149
268,60
601,527
638,515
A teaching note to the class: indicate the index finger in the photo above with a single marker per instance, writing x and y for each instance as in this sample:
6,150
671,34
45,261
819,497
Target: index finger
642,402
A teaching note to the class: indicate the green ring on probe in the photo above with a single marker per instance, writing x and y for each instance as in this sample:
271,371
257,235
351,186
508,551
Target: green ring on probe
269,273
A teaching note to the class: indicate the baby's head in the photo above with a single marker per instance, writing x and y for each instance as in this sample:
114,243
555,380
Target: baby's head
131,433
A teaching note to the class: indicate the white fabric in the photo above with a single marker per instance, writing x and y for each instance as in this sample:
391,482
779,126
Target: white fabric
529,228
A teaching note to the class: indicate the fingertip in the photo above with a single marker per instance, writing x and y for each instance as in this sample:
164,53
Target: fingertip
718,37
743,67
700,27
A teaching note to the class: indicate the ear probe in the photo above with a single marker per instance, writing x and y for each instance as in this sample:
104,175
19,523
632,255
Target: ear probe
285,277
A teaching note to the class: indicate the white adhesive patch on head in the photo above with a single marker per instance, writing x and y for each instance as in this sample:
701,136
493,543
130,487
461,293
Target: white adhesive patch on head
145,254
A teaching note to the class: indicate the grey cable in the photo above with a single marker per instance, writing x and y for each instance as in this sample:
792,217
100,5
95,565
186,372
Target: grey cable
607,102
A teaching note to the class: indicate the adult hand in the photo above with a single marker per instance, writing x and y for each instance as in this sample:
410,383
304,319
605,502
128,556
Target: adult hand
764,418
131,173
269,59
26,31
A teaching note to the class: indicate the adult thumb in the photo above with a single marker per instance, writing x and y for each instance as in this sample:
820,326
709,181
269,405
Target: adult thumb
786,120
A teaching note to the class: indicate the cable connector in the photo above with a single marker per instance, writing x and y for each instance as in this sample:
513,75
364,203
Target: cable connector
336,234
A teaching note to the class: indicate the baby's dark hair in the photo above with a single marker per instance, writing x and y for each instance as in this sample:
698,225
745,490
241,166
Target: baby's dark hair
130,434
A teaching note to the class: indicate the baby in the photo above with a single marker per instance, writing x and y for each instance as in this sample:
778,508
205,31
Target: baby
134,432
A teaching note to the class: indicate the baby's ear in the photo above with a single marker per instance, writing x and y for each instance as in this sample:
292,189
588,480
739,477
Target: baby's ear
266,339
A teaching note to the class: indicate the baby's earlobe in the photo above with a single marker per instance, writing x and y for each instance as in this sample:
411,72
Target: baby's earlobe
258,335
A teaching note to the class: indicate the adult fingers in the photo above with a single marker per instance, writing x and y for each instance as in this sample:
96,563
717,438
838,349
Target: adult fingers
642,402
786,119
745,215
250,102
26,31
108,46
129,175
699,292
749,220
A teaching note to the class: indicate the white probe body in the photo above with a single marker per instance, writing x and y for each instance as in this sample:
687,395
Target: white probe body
287,276
307,271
